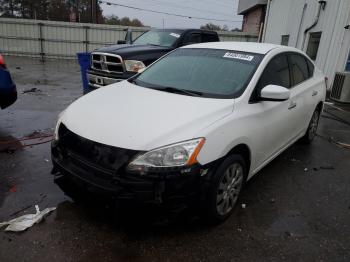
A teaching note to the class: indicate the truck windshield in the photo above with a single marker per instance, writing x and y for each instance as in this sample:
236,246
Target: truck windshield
160,38
208,72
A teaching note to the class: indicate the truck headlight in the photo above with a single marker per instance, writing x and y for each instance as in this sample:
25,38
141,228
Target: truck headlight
134,65
175,155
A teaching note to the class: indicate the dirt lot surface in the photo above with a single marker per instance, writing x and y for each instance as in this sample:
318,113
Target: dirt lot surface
296,209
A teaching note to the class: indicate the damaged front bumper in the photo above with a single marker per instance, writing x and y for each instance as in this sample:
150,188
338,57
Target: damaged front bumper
173,186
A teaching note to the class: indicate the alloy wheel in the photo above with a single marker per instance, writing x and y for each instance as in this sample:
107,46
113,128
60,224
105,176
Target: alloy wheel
229,188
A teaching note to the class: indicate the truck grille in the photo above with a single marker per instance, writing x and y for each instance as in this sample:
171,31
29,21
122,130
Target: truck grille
107,63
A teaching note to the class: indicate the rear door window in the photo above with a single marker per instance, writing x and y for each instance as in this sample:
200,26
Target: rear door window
299,68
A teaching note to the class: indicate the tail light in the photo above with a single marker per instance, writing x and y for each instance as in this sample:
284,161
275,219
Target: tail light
2,61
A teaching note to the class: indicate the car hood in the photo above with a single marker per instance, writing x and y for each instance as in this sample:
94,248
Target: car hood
130,51
128,116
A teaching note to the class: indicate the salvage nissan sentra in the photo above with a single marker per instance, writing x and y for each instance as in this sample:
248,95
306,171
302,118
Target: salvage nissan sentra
196,124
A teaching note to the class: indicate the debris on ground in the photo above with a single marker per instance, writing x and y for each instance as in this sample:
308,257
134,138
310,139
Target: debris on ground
305,169
288,234
21,210
32,90
11,144
244,206
335,142
23,222
327,167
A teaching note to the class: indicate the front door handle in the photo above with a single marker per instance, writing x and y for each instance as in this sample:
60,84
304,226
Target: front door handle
314,93
292,105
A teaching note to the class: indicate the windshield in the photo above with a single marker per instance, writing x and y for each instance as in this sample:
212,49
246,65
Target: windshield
206,72
161,38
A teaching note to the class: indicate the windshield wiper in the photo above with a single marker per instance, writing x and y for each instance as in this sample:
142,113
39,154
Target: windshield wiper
178,91
166,88
153,44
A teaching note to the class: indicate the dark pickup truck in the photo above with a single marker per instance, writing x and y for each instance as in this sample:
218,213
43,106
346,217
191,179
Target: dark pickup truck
119,62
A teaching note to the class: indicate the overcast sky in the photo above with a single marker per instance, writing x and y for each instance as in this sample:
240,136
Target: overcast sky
220,9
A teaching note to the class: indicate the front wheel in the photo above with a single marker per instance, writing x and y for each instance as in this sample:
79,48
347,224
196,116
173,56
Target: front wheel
312,128
226,186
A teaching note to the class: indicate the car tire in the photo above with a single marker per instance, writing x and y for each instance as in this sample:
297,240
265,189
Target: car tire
226,185
312,128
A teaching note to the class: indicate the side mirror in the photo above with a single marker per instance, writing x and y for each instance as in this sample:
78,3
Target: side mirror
121,42
274,93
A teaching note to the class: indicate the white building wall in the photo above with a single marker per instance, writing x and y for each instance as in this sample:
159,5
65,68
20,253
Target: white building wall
285,18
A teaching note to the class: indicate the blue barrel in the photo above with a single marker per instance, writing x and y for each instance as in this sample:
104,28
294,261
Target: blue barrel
84,62
348,64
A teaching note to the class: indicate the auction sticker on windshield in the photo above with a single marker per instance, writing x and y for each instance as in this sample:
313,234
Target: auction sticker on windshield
175,35
239,56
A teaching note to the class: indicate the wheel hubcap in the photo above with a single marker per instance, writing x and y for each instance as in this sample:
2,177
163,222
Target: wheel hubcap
313,125
229,188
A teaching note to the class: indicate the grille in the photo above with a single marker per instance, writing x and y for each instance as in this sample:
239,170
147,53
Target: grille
104,156
338,86
107,63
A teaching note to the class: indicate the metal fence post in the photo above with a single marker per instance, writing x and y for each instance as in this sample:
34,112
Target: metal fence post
86,42
41,42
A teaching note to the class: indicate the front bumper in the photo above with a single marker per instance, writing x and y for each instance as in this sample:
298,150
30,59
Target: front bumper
170,187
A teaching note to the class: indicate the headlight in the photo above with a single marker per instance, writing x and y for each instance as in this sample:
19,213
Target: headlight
55,134
175,155
134,65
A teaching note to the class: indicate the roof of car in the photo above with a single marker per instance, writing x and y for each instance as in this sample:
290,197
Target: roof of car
250,47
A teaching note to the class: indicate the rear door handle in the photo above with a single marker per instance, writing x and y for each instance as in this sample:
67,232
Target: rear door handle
292,105
314,93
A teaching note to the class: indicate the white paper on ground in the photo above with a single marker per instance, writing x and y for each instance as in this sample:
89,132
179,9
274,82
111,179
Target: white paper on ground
23,222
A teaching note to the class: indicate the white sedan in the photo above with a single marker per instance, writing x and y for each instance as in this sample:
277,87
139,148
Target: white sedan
194,126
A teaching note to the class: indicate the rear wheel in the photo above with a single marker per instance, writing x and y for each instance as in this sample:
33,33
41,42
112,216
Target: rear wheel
312,128
225,190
